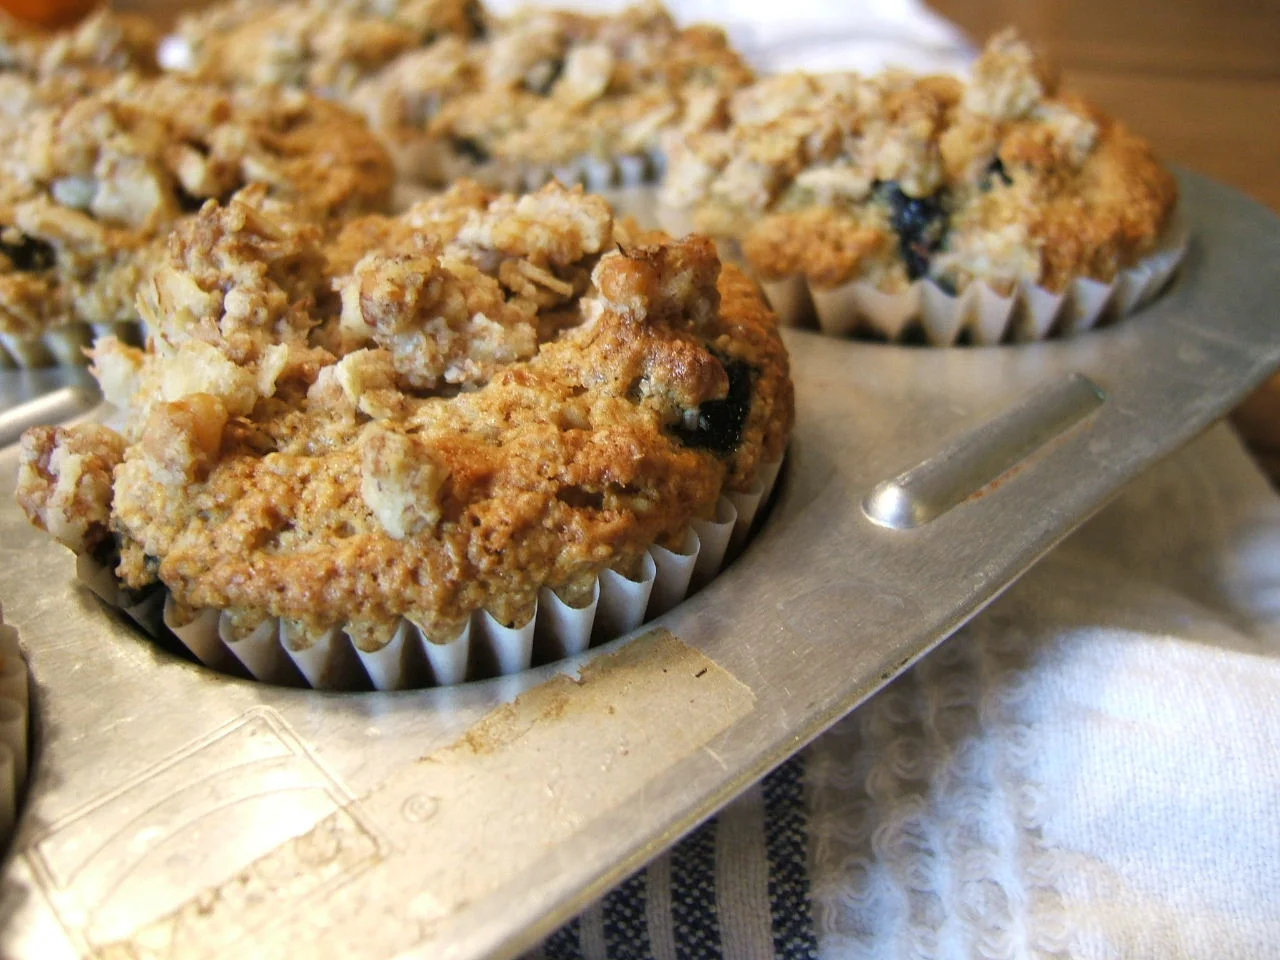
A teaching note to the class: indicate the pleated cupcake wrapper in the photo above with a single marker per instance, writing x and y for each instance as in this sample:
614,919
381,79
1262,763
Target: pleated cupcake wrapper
1027,314
14,717
280,652
597,173
61,346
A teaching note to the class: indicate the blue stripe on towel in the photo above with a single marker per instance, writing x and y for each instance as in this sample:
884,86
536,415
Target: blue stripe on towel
786,840
693,896
626,928
565,943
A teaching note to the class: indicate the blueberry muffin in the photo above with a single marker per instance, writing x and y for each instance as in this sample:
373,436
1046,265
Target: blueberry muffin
104,42
429,416
394,61
89,189
585,97
48,68
455,93
1001,180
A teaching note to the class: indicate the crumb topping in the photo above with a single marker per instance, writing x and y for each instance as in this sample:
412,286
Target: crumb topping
89,187
105,42
894,177
557,86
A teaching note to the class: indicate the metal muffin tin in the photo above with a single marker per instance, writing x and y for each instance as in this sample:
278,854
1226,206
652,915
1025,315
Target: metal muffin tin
173,812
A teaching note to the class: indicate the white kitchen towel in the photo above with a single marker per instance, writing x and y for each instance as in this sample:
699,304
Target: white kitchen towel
1089,769
813,35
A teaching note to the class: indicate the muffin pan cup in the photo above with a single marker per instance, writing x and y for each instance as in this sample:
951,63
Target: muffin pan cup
279,651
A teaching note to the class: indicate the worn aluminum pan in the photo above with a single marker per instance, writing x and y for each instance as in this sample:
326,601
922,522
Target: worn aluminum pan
173,812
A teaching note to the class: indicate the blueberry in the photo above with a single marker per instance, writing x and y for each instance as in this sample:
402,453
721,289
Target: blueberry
474,14
470,148
717,424
24,252
920,222
995,171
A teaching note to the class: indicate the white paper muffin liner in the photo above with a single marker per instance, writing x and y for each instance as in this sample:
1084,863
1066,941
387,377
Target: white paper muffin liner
279,652
597,173
14,718
61,346
929,313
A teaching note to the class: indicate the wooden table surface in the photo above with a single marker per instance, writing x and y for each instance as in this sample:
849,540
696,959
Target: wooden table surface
1201,80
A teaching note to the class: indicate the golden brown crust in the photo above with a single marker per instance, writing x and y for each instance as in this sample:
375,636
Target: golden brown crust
105,42
894,177
327,47
305,466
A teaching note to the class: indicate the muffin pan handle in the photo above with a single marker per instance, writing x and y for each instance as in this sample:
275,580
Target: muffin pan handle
981,458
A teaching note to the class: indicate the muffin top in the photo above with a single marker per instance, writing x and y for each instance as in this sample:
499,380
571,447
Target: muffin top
555,86
87,186
48,68
896,177
325,46
432,414
104,41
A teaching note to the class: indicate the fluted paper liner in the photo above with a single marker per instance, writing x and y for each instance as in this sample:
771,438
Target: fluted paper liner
1026,314
1029,313
279,651
596,174
14,713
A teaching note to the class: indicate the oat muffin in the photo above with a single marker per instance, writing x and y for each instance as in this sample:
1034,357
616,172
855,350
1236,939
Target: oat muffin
105,41
435,414
47,68
330,48
894,178
89,188
395,61
455,93
576,95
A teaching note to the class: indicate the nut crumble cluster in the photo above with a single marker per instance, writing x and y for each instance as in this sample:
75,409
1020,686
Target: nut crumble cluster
423,416
891,178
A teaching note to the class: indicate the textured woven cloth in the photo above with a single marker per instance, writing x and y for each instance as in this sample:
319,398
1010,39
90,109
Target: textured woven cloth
1088,769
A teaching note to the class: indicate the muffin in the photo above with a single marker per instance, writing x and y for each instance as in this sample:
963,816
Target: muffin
105,42
585,98
508,101
899,200
47,68
465,420
394,62
90,187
